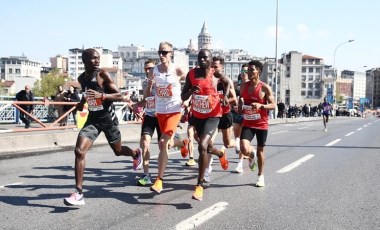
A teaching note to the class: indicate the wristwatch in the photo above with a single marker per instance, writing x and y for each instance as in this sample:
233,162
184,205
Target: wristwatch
262,107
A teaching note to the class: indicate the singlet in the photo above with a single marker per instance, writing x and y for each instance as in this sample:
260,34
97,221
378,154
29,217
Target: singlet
168,91
258,118
206,103
326,108
225,108
150,106
99,111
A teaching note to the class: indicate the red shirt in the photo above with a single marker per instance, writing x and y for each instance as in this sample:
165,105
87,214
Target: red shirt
206,103
257,118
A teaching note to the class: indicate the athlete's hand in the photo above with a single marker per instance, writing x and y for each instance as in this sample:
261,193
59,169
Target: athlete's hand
79,106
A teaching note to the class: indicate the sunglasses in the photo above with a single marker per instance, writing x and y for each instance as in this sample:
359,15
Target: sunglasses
243,71
163,52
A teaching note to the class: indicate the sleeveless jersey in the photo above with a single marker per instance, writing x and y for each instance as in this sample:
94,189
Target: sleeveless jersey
206,103
150,106
99,111
168,91
257,118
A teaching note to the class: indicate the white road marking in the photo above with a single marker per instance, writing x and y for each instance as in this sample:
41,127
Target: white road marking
348,134
17,183
333,142
202,216
364,125
359,129
280,132
295,164
302,127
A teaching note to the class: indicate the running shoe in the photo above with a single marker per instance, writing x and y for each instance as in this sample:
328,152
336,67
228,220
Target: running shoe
206,177
260,181
223,160
74,199
145,180
157,187
137,162
237,150
184,150
198,193
239,168
252,164
191,162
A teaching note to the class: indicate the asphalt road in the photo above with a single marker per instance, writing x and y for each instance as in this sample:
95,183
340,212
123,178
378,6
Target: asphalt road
314,180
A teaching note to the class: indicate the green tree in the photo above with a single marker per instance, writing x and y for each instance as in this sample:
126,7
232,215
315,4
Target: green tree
48,85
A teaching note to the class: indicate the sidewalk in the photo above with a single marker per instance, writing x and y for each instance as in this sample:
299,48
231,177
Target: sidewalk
19,144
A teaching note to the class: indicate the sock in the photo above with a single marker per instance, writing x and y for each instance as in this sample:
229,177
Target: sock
200,183
191,158
237,142
79,190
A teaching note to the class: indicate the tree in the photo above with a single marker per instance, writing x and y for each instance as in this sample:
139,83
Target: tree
48,84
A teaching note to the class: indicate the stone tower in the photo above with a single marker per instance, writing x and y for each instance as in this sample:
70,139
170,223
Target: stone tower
204,38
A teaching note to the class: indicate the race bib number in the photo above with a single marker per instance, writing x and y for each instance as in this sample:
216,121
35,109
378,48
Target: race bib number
150,106
94,104
249,113
164,91
201,103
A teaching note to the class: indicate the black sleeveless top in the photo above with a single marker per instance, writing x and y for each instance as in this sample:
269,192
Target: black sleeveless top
104,112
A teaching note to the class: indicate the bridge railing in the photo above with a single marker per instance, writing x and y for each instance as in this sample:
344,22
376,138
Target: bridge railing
45,113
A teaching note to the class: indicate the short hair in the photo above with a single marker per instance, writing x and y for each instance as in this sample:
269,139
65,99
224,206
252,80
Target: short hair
87,52
150,61
166,43
244,65
257,64
218,58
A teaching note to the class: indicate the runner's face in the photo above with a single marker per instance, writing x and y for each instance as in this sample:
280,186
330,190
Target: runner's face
93,60
148,67
253,73
204,59
217,66
244,74
165,53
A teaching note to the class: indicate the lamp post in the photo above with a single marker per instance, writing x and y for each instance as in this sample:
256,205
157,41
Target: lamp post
275,64
335,73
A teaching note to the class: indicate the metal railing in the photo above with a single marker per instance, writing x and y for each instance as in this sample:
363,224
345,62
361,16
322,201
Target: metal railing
45,113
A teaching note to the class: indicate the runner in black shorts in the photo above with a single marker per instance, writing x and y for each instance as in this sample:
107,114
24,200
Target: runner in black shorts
99,92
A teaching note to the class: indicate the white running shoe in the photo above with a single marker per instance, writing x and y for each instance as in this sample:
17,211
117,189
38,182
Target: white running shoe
260,181
74,199
239,168
206,178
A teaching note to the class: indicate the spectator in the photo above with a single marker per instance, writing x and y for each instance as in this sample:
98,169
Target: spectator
59,98
71,96
26,95
134,98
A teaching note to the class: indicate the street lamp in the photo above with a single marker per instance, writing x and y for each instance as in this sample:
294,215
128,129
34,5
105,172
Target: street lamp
335,73
275,64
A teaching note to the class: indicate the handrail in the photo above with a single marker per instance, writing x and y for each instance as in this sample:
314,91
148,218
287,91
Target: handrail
120,112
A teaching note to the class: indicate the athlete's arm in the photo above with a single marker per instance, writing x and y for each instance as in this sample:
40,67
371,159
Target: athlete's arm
114,94
226,83
232,100
186,91
271,104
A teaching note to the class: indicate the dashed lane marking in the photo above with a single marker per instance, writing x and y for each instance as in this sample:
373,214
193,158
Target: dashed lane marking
348,134
295,164
359,129
280,132
202,216
333,142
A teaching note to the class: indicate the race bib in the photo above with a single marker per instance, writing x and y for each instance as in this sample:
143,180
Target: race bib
164,91
150,106
94,104
250,114
201,103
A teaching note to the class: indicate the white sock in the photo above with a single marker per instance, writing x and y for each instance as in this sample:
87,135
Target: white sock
237,142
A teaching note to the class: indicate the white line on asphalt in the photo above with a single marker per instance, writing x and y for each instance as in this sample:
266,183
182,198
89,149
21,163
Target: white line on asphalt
359,129
5,131
295,164
364,125
333,142
348,134
280,132
17,183
202,216
302,127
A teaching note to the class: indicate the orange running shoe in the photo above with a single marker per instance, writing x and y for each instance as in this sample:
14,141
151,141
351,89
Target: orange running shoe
157,186
198,193
184,150
223,160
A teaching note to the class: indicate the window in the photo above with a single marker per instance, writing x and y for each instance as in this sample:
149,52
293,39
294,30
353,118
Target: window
303,85
302,93
309,93
18,71
303,69
317,70
310,85
10,71
317,93
303,77
311,70
311,77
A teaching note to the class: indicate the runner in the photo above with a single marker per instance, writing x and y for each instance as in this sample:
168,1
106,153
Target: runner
206,111
256,98
100,92
326,111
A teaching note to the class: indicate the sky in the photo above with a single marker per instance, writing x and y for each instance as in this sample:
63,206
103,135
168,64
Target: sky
41,29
